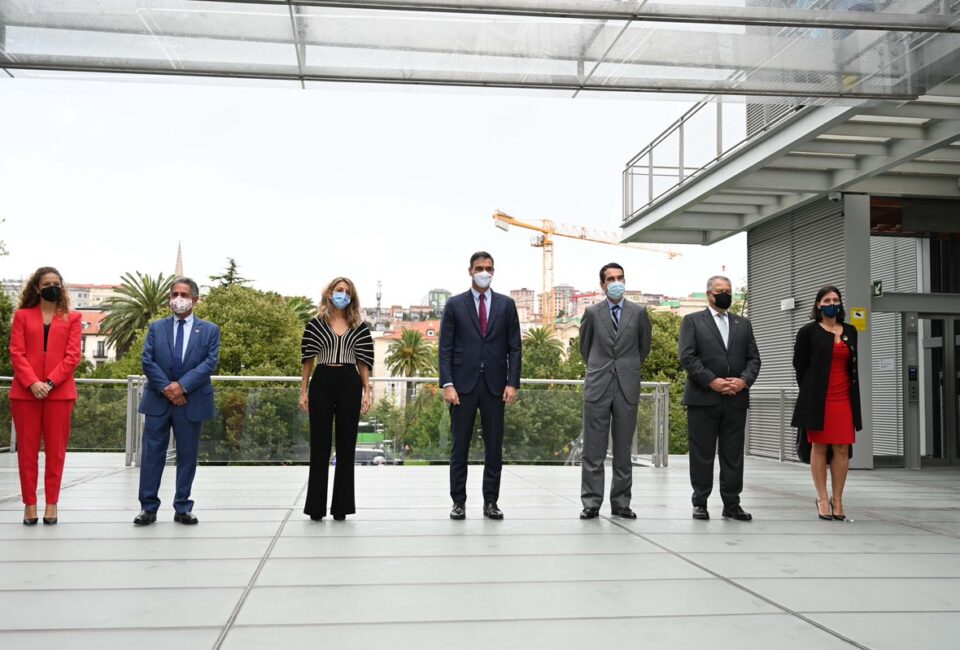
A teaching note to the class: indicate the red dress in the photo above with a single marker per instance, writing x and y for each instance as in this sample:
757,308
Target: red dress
838,413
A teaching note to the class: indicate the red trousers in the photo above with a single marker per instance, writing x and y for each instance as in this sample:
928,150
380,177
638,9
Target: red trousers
49,419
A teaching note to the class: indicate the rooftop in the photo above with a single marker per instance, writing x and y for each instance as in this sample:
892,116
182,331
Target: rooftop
400,574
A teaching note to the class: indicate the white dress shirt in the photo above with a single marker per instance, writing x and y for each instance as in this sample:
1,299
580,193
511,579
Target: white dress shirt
187,329
723,324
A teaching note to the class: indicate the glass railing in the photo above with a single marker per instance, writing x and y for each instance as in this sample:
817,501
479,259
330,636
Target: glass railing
257,421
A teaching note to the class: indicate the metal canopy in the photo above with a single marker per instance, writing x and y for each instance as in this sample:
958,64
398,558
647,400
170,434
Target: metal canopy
886,149
812,49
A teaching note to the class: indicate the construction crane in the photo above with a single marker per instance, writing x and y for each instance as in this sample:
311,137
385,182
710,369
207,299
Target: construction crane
550,229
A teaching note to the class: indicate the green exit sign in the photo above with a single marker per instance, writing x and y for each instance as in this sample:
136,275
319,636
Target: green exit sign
877,288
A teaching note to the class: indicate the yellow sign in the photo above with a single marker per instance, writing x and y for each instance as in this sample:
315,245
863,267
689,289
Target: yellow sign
858,318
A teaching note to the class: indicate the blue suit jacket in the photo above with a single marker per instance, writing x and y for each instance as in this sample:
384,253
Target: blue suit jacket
199,363
463,351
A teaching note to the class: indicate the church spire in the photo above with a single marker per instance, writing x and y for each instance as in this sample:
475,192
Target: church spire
178,272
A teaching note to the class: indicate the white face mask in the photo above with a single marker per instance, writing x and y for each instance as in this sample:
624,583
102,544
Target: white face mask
181,305
483,279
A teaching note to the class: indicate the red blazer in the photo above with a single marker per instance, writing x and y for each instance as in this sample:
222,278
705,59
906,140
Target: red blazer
31,364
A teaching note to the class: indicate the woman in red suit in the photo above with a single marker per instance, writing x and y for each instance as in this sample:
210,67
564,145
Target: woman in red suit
45,351
828,404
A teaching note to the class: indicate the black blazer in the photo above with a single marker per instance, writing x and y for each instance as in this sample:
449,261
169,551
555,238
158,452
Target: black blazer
812,358
704,357
462,351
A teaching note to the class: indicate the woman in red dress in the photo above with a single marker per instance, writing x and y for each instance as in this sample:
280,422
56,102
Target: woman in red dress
45,352
828,404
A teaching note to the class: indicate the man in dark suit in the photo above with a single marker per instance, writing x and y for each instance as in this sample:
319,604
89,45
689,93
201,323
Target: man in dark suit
615,338
720,355
179,356
479,357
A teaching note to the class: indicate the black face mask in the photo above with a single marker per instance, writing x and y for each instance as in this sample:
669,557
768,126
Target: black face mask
722,300
51,294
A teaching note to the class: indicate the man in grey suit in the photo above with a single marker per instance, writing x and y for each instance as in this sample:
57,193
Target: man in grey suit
720,355
615,339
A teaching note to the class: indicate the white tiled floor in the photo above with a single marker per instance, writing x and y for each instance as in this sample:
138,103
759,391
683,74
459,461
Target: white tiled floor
257,574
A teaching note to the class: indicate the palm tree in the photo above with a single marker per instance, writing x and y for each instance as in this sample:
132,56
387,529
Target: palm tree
140,299
542,354
410,356
303,307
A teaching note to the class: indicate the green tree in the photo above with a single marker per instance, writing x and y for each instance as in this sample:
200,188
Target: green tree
741,301
259,334
230,276
410,356
542,354
141,299
6,320
303,307
663,364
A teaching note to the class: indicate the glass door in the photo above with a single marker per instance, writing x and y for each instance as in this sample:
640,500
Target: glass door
939,386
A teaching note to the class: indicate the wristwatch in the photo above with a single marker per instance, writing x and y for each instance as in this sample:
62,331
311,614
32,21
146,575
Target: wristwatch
51,384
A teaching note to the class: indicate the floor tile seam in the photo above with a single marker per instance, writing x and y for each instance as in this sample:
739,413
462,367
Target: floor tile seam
738,586
586,619
485,582
344,557
256,573
41,491
70,590
74,630
924,526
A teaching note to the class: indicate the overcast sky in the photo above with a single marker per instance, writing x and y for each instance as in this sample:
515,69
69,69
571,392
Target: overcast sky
99,178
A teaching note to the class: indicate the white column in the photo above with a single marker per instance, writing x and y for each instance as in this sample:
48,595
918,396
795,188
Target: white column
856,245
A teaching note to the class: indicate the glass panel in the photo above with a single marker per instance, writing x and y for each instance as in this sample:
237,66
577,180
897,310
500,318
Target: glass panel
99,418
260,423
5,419
932,369
956,390
813,50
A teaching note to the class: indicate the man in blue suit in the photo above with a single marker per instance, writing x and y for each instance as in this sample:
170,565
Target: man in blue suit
479,359
179,356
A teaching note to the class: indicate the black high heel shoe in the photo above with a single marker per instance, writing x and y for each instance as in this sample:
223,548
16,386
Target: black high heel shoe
836,516
824,517
29,521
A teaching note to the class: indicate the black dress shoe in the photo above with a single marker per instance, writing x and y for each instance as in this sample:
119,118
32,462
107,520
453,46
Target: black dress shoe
458,512
590,513
624,513
339,517
145,518
825,517
187,518
835,515
316,517
32,521
49,521
491,511
700,512
736,512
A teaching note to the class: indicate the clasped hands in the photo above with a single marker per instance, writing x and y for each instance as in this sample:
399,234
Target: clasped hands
728,386
40,389
174,393
451,397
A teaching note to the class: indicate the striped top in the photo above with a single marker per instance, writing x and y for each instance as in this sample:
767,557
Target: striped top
320,341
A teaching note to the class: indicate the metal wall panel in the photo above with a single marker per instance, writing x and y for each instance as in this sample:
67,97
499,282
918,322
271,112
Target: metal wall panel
791,257
893,260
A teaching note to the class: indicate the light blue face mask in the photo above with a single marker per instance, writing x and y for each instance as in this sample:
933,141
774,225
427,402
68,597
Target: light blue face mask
615,290
340,299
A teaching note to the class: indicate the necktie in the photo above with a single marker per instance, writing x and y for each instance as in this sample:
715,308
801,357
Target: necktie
178,351
483,315
724,329
615,310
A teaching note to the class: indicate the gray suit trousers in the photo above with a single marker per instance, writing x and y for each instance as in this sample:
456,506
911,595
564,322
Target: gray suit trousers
610,416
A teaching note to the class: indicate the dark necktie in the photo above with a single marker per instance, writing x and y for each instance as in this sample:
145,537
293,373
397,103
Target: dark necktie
178,351
615,310
483,315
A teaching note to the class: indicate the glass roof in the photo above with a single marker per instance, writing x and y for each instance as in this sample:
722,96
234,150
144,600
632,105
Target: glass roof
813,50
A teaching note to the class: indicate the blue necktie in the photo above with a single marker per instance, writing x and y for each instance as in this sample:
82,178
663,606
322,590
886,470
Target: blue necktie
615,310
178,351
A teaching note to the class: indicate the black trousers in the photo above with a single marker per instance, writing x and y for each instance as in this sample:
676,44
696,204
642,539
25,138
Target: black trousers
334,395
713,429
462,419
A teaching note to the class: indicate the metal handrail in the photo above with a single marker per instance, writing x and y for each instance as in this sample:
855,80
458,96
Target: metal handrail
659,392
781,393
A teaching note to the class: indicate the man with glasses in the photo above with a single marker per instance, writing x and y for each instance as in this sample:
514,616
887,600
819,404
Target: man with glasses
719,353
479,358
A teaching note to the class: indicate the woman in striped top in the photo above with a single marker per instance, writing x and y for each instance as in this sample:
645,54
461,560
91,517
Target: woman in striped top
339,344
